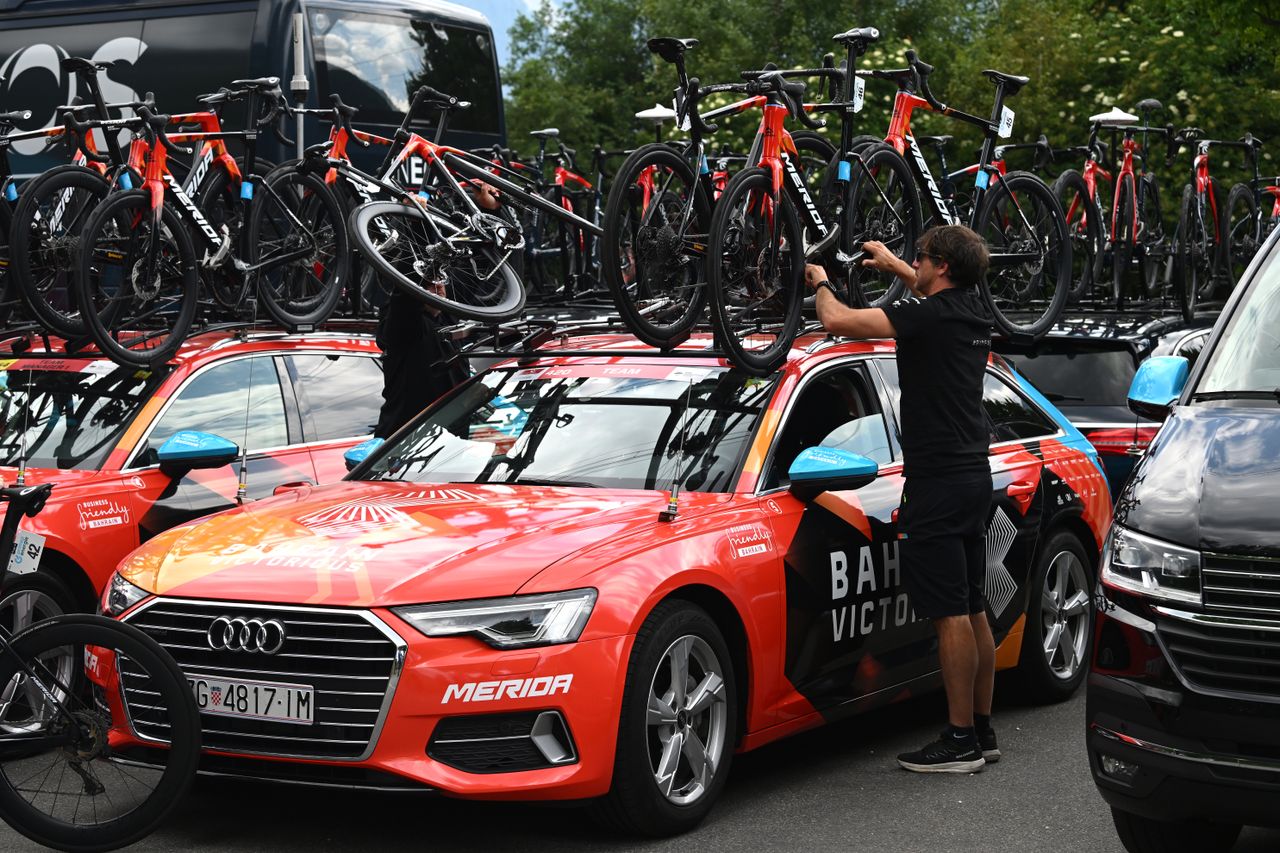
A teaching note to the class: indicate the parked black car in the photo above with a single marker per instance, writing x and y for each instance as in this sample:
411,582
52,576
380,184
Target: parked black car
1084,366
1183,699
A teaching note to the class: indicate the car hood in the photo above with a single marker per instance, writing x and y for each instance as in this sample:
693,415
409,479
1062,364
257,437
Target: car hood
1210,480
366,544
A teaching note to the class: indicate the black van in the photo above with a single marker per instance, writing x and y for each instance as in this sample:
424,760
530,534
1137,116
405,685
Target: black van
373,53
1183,701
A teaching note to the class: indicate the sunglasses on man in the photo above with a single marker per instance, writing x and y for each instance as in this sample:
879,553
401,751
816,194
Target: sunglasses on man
921,254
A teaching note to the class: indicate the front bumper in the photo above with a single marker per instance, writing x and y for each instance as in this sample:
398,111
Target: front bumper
1186,754
457,716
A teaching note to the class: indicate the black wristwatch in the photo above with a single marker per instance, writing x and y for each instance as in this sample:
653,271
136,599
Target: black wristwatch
831,287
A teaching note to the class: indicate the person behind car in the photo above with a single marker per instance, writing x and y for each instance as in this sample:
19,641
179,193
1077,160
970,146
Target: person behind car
944,340
419,362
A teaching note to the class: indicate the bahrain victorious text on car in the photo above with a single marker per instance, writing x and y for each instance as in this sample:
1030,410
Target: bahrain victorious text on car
598,578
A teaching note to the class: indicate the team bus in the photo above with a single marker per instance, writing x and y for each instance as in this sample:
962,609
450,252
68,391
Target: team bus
373,53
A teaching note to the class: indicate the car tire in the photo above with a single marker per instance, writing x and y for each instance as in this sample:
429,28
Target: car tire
1059,614
1144,835
636,804
27,599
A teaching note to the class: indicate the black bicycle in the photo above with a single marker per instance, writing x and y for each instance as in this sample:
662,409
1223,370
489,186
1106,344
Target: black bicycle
73,691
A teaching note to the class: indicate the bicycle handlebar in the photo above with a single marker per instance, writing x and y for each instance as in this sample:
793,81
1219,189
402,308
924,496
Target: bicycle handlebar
690,106
76,130
342,114
156,122
921,71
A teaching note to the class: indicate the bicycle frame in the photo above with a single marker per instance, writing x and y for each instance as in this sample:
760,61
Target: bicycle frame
985,171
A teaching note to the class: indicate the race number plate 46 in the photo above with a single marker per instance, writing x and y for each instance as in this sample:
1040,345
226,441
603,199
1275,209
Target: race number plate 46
256,700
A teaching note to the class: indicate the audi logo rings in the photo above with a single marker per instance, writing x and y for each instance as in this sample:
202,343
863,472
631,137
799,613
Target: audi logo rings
246,635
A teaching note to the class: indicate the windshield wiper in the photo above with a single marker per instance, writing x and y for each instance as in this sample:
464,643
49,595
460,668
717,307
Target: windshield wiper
1055,397
534,481
1274,394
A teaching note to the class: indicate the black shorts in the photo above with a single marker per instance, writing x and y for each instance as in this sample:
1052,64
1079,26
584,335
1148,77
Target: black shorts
942,543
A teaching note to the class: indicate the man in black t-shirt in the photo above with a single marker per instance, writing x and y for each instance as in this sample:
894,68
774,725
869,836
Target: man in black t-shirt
944,339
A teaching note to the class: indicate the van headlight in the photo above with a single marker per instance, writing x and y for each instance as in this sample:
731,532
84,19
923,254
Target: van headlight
517,622
1141,564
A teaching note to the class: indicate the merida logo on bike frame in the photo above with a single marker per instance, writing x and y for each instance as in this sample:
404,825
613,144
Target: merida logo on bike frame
192,210
930,182
201,169
798,182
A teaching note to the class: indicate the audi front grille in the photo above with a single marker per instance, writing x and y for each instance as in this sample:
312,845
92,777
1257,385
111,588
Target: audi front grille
350,658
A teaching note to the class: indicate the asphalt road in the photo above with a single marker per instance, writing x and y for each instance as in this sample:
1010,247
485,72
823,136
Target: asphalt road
834,788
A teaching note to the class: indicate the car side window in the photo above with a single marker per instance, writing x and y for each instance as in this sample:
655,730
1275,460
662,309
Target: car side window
1010,415
341,393
836,409
1191,347
240,400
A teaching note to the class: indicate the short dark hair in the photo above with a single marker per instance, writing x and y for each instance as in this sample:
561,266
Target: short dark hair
964,252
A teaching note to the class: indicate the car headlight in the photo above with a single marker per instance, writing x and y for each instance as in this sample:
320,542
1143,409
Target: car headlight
507,623
120,595
1138,563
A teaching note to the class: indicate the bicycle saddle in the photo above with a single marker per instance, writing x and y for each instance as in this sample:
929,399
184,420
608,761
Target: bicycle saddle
80,65
260,83
671,49
860,35
1114,117
1012,82
545,133
1149,104
30,499
940,141
657,114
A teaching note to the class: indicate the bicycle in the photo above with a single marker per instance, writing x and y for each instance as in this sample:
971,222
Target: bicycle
1249,221
437,244
1200,241
659,207
72,689
137,281
1016,213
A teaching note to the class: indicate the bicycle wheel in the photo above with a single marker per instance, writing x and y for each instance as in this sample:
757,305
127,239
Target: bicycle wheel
298,245
652,260
1122,242
44,243
1083,229
137,280
1242,229
1030,273
883,206
1193,257
1150,237
75,774
755,268
553,251
467,275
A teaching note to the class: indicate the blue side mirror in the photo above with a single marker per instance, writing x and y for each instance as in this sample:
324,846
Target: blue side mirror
829,469
189,449
1157,384
361,451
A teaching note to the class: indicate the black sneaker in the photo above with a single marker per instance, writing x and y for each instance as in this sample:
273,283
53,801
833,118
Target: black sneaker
987,740
944,755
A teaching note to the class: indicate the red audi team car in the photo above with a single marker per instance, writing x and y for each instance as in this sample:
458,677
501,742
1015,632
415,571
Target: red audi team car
297,402
499,602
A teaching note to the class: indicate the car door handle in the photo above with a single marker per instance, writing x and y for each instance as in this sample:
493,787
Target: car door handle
1021,488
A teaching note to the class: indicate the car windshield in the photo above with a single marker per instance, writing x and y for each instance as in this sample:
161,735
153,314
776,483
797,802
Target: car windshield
611,426
1247,356
68,414
1081,377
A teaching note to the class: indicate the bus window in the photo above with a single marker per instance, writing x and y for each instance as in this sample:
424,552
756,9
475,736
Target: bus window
376,61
